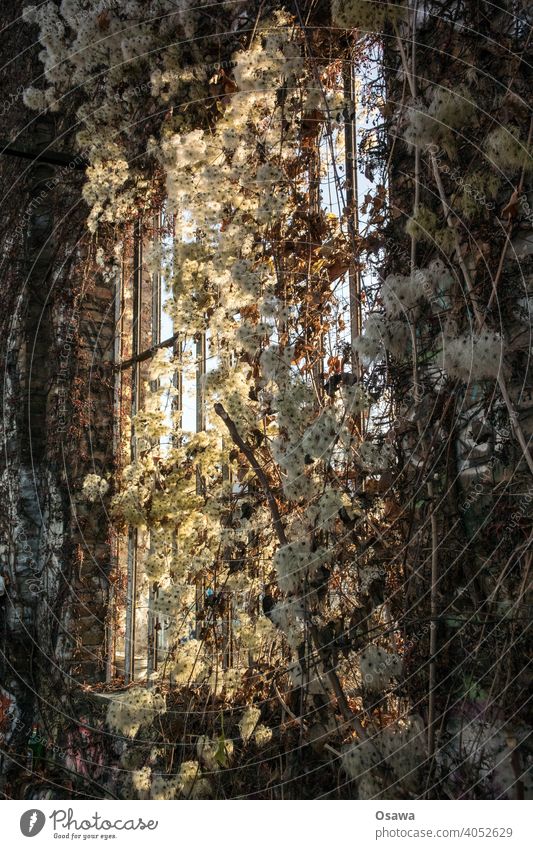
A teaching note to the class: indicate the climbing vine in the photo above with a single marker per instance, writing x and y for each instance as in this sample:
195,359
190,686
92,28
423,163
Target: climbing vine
322,508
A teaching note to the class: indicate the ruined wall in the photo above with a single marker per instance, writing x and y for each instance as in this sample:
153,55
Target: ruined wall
57,328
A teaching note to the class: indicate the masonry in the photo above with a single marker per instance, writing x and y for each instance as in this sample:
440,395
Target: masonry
57,332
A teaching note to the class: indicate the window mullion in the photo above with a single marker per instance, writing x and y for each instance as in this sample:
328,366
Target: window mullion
129,647
153,618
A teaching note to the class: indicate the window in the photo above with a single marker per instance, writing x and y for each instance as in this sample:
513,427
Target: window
140,634
142,328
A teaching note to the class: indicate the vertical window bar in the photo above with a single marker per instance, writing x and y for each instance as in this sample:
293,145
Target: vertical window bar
314,205
200,373
178,382
153,619
129,648
200,425
354,277
117,403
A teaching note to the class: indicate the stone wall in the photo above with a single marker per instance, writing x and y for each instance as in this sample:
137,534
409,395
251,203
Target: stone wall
56,352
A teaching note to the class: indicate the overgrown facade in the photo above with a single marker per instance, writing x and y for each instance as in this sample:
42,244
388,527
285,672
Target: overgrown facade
267,401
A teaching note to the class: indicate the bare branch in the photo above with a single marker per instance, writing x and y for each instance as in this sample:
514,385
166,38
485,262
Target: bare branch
250,456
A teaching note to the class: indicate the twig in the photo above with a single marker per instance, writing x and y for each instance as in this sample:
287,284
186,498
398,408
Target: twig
145,355
342,701
256,24
450,221
405,63
433,624
418,395
331,675
509,227
250,456
479,317
285,706
514,422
